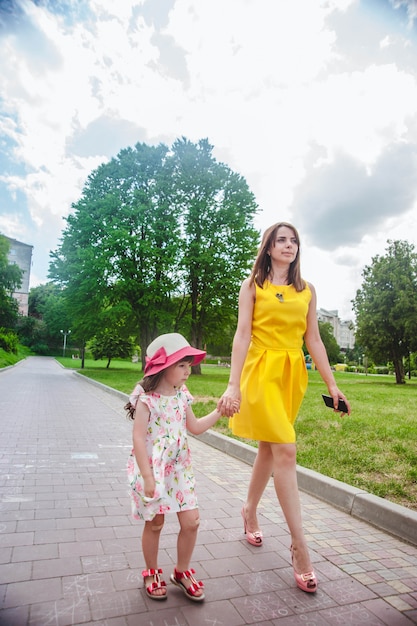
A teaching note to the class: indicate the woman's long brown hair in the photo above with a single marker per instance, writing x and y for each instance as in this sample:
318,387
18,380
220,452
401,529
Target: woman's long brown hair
262,265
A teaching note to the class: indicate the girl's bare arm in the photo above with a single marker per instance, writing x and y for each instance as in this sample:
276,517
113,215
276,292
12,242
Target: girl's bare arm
196,426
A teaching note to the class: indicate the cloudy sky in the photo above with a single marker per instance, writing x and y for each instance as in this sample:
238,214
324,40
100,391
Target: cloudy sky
313,102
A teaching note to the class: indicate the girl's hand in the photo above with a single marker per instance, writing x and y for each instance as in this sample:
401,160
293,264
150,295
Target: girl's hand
149,486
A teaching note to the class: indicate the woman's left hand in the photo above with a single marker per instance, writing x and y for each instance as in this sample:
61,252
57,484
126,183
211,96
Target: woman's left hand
338,395
229,403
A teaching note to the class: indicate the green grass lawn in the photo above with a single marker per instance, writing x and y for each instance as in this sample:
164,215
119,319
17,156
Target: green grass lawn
374,449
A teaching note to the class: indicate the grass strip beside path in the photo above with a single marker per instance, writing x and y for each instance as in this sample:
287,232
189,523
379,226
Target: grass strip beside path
374,449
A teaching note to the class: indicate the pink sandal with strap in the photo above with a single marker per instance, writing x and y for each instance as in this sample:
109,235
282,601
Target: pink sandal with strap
306,582
195,586
256,538
155,585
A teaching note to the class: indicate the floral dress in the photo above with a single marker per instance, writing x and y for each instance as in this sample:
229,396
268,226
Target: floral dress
169,456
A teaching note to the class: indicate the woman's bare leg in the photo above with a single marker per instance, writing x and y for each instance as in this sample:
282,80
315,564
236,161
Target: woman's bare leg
261,473
286,487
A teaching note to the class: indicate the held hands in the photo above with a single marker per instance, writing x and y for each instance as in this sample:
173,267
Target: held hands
229,403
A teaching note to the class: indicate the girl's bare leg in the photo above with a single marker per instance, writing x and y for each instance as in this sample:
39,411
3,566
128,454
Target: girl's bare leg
150,548
187,537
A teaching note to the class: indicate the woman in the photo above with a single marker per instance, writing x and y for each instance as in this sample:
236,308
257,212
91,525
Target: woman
277,311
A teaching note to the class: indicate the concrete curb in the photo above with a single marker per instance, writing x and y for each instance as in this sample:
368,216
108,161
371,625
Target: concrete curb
9,367
383,514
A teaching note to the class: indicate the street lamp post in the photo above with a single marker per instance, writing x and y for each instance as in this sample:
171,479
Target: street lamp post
65,333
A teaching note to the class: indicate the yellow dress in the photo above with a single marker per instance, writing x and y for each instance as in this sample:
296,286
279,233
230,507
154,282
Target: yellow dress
274,377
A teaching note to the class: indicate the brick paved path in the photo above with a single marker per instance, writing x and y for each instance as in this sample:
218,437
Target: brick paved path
70,552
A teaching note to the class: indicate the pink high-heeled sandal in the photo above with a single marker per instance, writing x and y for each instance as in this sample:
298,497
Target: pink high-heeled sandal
306,582
255,539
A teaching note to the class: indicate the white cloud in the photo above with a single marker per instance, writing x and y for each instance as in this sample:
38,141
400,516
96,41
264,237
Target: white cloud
310,115
362,111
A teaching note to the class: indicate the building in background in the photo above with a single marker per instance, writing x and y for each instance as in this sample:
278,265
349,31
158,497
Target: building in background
343,331
21,254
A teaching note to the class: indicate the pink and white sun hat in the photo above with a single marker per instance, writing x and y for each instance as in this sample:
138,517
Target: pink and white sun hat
168,349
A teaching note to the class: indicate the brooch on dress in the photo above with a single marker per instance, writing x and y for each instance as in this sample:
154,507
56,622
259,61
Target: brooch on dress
280,297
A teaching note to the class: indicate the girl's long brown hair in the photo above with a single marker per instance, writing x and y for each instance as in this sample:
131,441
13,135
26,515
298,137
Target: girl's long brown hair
262,265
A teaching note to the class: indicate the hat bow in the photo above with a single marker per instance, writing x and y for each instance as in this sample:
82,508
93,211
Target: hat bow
159,358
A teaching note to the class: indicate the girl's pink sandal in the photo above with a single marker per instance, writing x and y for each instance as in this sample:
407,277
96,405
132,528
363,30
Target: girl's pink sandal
195,586
155,585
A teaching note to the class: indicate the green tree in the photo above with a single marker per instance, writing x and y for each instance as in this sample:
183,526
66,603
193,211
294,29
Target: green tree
111,344
329,340
48,315
10,279
355,354
218,239
38,298
386,307
164,236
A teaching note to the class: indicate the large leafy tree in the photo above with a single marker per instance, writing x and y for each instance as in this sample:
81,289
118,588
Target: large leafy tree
162,236
10,279
386,306
219,242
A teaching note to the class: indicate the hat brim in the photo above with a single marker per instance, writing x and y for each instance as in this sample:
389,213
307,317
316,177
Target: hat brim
175,357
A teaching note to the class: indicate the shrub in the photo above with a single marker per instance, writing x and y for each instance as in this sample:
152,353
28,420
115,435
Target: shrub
41,349
8,341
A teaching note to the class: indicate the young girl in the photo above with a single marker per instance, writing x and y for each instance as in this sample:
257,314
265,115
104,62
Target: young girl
160,473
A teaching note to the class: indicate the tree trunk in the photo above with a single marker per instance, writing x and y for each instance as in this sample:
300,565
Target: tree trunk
146,335
399,371
195,342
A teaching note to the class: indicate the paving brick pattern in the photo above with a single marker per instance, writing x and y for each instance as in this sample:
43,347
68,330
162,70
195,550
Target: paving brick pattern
70,552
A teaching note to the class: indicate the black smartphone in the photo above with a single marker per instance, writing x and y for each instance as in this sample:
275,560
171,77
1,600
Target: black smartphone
328,401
